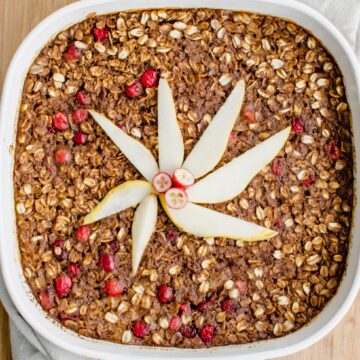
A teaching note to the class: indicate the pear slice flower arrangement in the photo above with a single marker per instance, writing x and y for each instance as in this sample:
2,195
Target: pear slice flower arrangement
174,179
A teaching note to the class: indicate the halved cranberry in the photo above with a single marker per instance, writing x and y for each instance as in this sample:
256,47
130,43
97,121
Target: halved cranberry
72,53
114,287
276,166
80,138
101,34
230,306
165,294
59,251
242,285
175,323
47,298
73,269
184,309
309,181
63,284
298,126
207,333
141,329
60,121
82,233
150,78
188,331
134,89
333,150
107,262
83,98
205,305
79,115
249,115
62,155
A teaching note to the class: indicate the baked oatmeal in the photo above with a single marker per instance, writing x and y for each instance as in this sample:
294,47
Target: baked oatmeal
188,291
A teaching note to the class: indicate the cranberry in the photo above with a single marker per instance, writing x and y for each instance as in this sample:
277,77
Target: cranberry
80,138
172,235
62,155
309,181
107,262
47,298
79,115
100,34
63,284
60,121
64,316
165,294
279,223
249,115
73,269
207,333
276,166
230,306
232,138
298,126
82,233
72,52
114,245
150,78
188,331
123,128
141,329
59,250
333,150
184,309
134,89
242,285
114,287
83,98
205,305
175,323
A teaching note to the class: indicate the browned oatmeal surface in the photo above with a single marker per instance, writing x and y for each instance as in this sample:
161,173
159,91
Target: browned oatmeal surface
245,292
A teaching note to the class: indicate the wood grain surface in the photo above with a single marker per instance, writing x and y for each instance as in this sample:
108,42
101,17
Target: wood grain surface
17,18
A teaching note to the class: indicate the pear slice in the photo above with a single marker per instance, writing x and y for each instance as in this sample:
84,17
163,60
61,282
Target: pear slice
134,150
171,145
210,148
120,198
143,226
231,179
203,222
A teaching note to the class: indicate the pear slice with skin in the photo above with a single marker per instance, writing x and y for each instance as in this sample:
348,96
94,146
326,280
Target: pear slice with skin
210,148
231,179
203,222
143,226
134,150
120,198
171,144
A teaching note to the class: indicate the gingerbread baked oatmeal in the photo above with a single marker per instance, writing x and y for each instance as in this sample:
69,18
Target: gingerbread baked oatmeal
110,82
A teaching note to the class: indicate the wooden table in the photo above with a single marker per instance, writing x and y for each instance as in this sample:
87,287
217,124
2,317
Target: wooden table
18,17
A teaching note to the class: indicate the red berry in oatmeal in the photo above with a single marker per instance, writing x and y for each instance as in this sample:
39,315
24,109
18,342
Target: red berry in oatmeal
114,287
207,333
134,89
141,329
82,233
165,294
298,126
107,262
63,284
150,78
58,248
62,155
72,53
47,298
79,115
60,121
83,98
101,34
333,150
80,138
249,115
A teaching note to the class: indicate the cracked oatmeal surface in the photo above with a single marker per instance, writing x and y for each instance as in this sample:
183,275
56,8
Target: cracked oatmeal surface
246,292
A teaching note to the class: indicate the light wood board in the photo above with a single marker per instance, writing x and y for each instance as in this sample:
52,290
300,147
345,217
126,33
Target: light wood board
17,18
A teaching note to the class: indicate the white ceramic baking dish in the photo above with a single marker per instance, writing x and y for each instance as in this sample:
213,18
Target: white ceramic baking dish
10,263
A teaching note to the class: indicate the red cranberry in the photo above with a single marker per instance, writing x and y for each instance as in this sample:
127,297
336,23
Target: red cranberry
298,126
64,316
184,309
100,34
80,138
172,235
202,307
276,166
47,298
165,294
134,89
242,285
207,333
279,223
309,181
230,306
73,269
114,245
82,233
72,52
79,115
333,150
141,329
107,262
83,98
62,155
232,138
63,284
59,250
175,323
249,115
123,128
150,78
188,331
60,121
114,287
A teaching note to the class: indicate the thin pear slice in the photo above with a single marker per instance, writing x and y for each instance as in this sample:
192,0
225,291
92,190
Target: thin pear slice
231,179
210,148
120,198
203,222
134,150
171,145
143,226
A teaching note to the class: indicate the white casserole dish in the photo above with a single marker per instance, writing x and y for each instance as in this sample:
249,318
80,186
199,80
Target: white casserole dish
10,264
